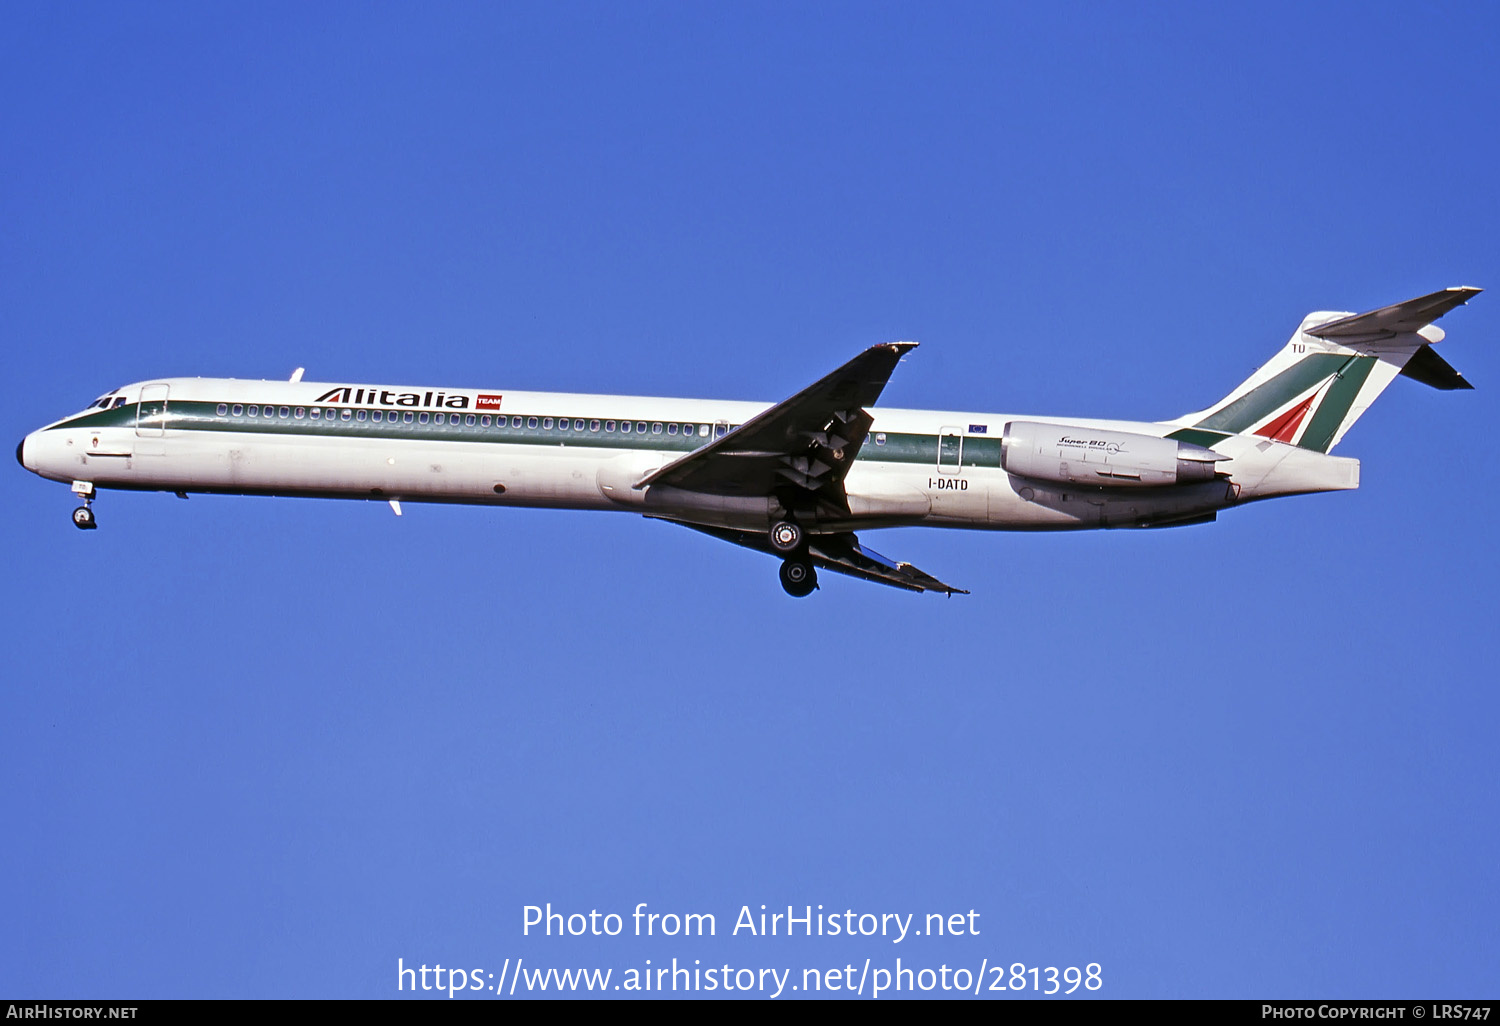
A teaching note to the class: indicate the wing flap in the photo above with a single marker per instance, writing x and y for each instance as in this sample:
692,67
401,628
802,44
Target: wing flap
840,553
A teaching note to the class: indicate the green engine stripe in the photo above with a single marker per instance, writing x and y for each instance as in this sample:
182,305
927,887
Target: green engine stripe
1263,400
1336,404
1195,437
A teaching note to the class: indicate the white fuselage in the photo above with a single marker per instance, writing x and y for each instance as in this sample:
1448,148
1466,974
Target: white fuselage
569,451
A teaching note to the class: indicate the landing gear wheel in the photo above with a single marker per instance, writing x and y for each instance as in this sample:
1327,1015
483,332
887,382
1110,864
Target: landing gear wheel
798,578
786,537
83,519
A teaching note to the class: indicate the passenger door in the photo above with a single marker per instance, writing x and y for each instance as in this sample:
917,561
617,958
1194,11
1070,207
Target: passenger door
151,421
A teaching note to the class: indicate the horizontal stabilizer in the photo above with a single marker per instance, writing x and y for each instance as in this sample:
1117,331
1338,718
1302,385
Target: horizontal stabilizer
1390,321
1429,368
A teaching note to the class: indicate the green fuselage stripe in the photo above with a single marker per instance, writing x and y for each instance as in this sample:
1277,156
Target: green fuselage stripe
881,446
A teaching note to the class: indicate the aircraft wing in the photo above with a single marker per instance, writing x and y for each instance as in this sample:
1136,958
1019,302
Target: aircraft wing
1390,321
804,445
841,553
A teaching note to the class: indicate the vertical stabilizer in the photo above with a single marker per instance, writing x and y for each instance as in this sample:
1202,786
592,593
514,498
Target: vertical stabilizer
1333,368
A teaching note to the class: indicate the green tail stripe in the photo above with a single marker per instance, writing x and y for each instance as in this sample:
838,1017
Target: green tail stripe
1335,406
1263,400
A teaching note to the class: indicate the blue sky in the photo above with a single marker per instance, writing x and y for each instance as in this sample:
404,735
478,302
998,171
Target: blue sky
266,747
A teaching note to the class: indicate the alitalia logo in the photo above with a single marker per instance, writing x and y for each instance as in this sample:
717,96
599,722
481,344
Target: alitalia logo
384,397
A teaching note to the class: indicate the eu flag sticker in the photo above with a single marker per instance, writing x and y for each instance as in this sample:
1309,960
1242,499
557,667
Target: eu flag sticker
978,429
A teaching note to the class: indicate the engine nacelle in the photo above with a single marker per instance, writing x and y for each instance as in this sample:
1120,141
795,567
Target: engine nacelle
1105,459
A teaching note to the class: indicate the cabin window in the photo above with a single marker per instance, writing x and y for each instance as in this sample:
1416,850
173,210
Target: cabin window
361,415
437,418
515,422
562,425
625,426
297,413
593,425
422,418
484,421
346,414
254,411
407,417
671,429
656,429
238,409
702,430
640,426
223,409
880,438
377,416
285,411
531,422
547,424
578,425
316,413
469,420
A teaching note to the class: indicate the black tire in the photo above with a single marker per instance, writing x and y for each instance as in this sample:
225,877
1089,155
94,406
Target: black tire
798,578
83,519
786,537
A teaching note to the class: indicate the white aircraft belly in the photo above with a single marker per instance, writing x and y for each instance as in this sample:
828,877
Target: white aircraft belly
558,476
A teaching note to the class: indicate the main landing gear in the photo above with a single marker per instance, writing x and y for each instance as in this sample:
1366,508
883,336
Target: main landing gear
83,516
798,575
786,537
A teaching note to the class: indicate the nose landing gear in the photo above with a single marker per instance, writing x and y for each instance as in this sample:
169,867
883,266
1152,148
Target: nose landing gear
83,516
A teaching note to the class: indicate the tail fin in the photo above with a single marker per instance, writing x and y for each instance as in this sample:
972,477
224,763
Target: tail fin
1330,372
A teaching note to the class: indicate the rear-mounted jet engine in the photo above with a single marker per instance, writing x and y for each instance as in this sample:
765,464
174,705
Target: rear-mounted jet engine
1113,459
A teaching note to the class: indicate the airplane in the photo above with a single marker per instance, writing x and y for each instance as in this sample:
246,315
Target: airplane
796,480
